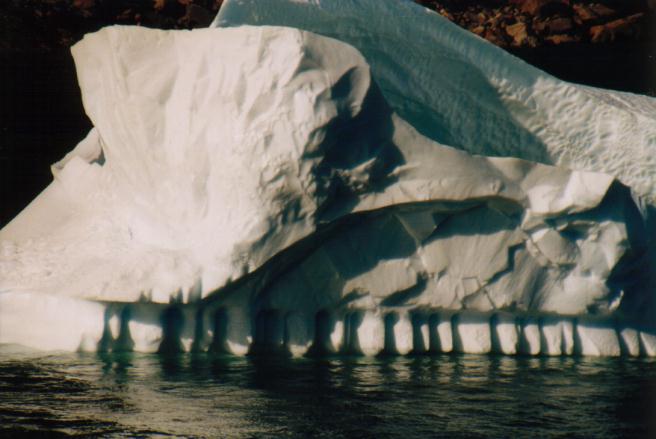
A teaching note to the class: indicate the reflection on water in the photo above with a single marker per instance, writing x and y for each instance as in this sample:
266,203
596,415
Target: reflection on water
441,396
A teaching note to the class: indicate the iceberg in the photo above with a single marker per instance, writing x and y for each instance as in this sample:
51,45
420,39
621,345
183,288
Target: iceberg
304,178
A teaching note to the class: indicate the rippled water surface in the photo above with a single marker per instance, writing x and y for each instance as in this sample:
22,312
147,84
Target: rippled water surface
440,396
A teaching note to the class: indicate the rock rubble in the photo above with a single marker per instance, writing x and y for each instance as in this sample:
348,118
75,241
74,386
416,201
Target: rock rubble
533,23
506,23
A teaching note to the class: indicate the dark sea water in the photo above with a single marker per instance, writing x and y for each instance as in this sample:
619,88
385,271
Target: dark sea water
137,395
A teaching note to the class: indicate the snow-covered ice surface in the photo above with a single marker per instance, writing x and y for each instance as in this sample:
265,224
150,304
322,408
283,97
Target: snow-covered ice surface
268,189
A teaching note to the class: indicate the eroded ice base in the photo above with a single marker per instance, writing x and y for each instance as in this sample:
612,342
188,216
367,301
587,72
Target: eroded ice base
78,325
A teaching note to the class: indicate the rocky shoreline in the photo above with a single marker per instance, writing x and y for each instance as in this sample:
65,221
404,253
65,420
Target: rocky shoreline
506,23
533,23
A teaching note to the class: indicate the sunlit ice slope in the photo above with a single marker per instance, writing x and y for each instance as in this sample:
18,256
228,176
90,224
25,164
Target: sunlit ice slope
460,90
251,189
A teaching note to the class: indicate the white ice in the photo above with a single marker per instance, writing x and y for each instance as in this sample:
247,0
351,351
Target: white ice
266,189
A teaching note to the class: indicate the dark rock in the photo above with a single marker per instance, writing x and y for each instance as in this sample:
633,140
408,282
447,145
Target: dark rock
560,9
196,16
560,25
601,10
584,13
494,37
562,38
544,7
627,27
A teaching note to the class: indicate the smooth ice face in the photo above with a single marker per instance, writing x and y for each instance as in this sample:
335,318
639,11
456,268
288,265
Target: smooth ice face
460,90
257,179
201,165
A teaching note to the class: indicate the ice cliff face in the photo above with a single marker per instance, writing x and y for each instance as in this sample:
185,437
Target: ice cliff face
253,189
458,89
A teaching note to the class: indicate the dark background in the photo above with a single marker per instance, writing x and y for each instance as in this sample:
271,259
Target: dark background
41,114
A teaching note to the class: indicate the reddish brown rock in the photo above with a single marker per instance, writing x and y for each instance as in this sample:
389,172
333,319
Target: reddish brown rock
539,26
588,14
494,38
539,7
562,38
584,13
479,30
560,25
518,33
628,26
601,10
